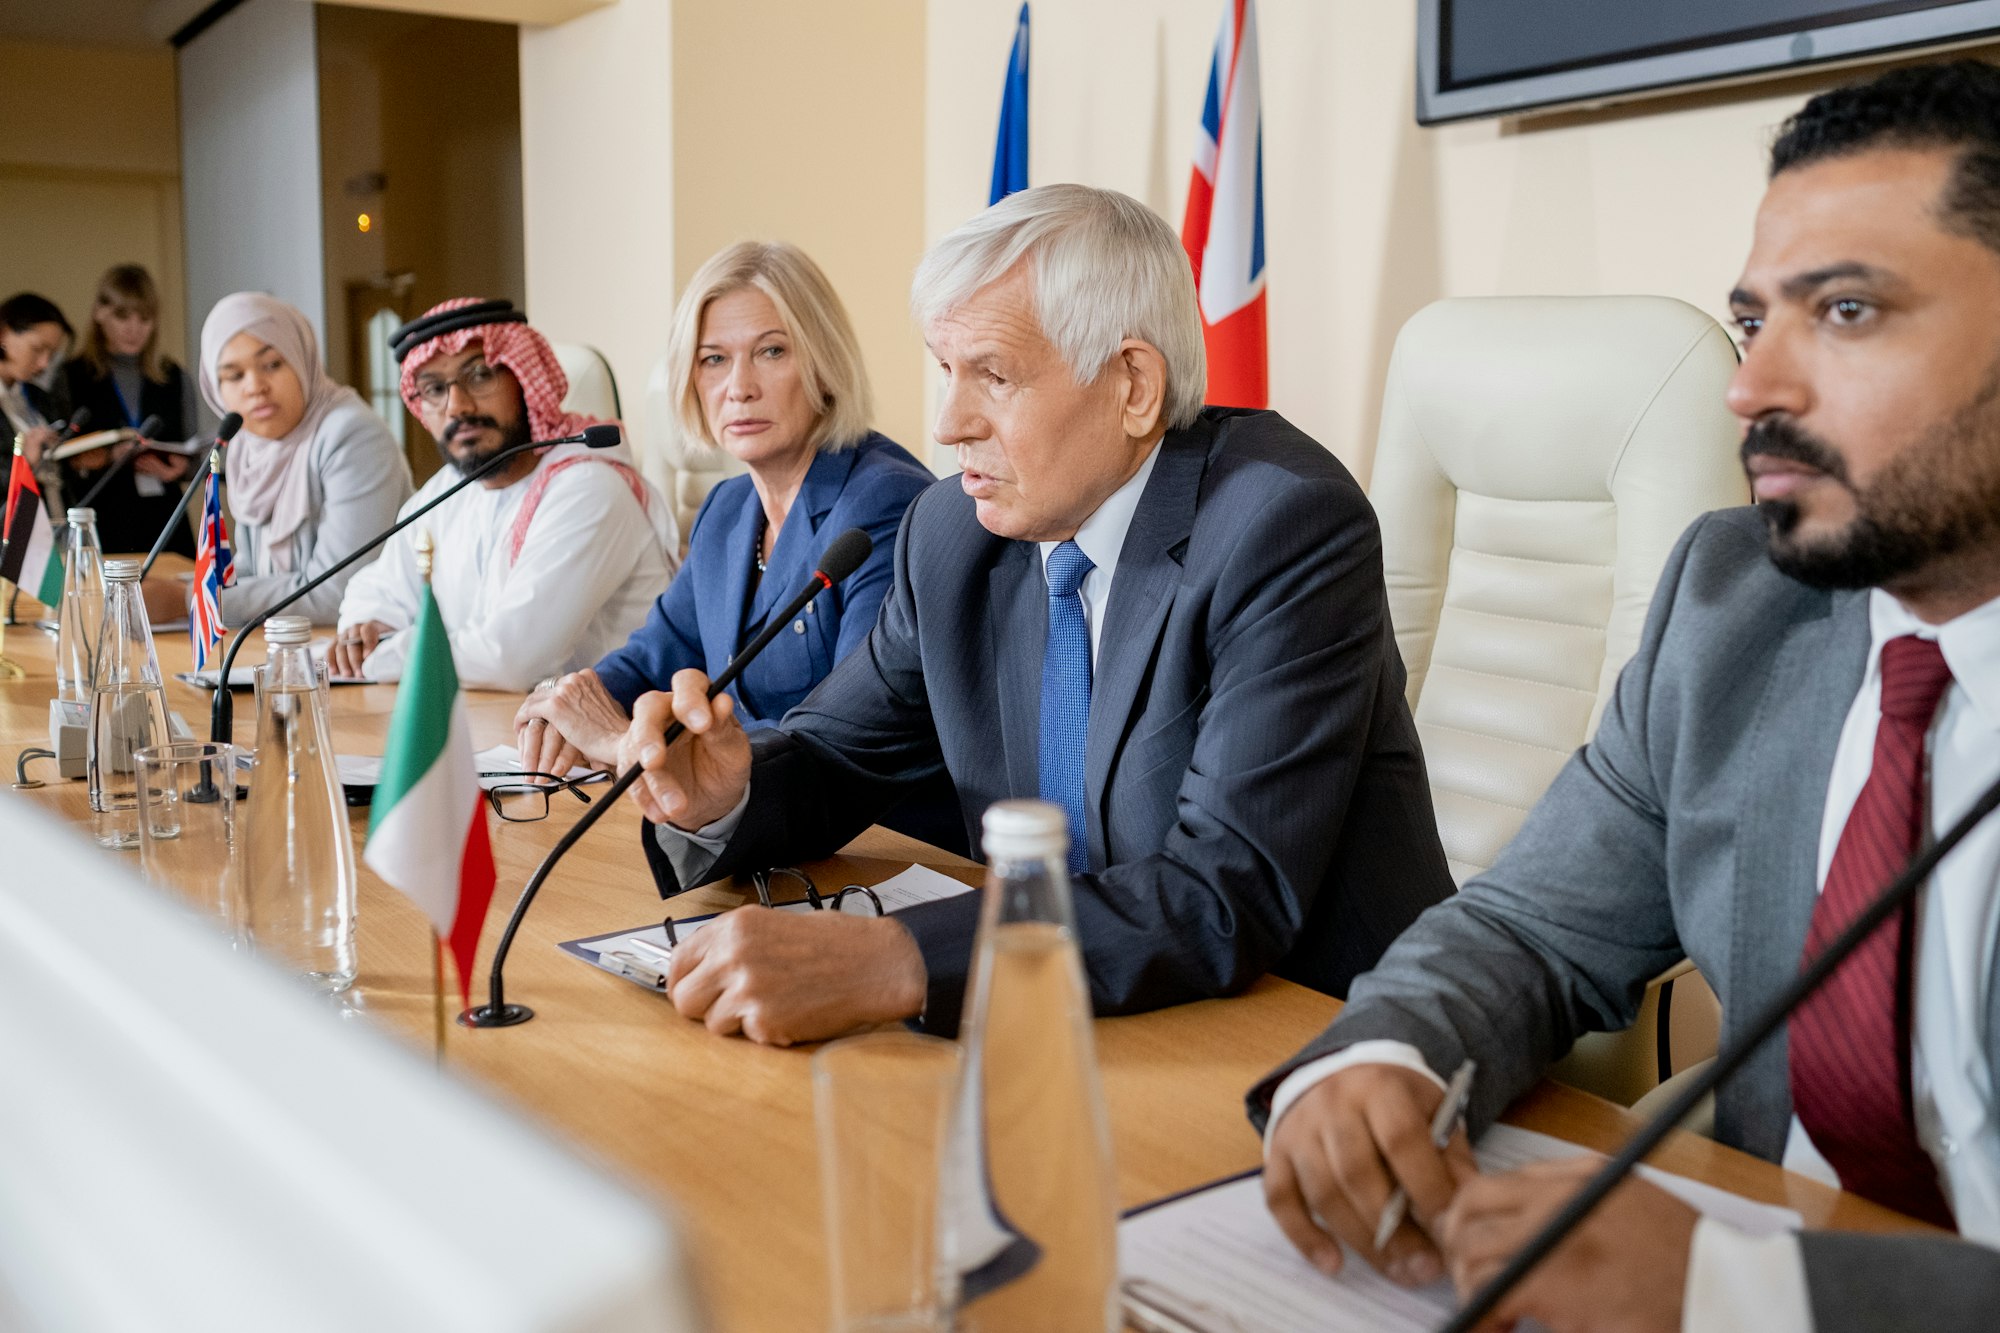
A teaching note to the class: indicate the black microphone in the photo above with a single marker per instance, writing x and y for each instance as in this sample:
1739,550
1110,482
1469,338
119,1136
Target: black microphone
843,556
220,714
1727,1061
224,433
117,464
78,423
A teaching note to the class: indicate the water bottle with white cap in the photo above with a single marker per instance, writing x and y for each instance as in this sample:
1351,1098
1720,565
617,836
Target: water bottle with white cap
81,614
128,706
1029,1214
299,871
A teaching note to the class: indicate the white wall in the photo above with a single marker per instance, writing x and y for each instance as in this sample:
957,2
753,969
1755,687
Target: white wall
597,184
249,101
1367,216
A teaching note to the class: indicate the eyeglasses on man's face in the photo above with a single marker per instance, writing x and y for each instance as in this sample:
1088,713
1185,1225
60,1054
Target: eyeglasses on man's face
523,798
479,380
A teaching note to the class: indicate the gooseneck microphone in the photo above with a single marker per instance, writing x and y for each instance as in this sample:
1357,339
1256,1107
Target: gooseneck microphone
1730,1059
223,435
116,465
221,713
843,556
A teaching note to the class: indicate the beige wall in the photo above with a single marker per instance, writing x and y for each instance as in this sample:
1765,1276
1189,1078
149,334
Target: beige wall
1367,216
88,181
653,134
597,183
834,164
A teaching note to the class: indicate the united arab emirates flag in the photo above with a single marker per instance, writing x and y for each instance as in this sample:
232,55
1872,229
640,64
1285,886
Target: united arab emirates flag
427,832
31,559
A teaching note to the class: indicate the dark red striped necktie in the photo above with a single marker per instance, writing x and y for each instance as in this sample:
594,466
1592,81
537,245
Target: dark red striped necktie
1850,1042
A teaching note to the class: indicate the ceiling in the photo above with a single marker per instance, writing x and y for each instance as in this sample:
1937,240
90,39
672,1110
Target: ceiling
77,22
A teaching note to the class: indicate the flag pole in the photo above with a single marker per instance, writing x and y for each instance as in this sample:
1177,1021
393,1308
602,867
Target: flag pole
437,995
426,550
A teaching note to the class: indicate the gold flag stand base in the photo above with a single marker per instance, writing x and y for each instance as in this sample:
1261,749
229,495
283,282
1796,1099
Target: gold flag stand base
12,670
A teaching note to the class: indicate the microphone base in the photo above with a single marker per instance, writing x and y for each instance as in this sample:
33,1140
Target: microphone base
486,1016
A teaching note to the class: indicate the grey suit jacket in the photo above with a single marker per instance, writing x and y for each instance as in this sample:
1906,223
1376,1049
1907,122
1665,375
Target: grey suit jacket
1688,825
1256,796
358,479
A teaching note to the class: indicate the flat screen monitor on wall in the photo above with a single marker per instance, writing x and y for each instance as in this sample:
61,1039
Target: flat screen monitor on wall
1501,57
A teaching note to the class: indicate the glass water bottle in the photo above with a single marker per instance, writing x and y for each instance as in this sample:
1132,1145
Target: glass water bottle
1029,1217
128,706
298,853
81,614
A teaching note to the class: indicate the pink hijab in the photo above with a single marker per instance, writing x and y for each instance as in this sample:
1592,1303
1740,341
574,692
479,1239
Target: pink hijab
268,478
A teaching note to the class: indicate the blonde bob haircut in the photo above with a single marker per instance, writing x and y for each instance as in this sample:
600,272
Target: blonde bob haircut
1103,268
829,356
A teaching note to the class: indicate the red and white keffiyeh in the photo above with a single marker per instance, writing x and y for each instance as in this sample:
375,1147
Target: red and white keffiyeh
517,347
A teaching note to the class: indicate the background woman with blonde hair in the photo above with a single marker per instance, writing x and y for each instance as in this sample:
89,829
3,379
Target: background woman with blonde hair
120,376
765,366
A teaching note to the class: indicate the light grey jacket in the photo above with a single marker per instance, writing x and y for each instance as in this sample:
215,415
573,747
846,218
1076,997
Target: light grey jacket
358,479
1690,823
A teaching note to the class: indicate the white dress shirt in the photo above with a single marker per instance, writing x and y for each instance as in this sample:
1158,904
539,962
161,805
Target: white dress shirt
1101,537
591,565
1739,1283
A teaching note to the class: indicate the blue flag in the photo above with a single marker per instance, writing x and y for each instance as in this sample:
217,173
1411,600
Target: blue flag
1010,146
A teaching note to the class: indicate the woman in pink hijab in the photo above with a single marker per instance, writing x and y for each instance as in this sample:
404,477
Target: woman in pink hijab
313,474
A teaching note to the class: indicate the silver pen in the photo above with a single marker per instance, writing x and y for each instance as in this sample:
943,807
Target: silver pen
1456,1094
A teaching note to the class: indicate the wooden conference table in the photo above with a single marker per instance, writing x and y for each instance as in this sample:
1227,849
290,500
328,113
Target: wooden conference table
719,1130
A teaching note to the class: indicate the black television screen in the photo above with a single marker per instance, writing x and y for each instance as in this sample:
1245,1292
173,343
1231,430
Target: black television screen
1496,57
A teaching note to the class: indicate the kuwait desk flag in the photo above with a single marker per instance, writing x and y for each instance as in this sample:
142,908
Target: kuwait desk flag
427,834
1224,227
31,561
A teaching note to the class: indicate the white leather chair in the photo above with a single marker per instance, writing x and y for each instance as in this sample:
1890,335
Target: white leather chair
685,470
593,389
1538,458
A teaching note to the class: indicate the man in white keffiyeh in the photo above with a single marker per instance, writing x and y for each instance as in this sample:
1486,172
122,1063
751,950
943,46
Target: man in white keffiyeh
550,562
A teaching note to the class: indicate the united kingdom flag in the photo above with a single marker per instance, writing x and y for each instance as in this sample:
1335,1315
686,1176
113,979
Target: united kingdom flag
1224,228
214,570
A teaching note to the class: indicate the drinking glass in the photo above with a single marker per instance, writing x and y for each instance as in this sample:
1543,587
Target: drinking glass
882,1103
187,826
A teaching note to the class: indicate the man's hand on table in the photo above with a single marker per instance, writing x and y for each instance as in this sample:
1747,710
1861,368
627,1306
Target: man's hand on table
700,777
1623,1270
352,644
568,722
166,599
785,977
1348,1141
1341,1149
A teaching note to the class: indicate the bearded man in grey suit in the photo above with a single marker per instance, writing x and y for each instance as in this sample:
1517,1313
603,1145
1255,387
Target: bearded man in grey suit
1167,619
1817,692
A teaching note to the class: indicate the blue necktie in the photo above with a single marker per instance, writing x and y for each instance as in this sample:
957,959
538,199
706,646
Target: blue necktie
1066,696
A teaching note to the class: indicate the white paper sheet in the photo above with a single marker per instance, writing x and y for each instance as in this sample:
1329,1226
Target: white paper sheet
1218,1256
907,888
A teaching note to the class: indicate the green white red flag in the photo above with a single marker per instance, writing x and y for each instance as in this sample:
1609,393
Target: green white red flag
427,832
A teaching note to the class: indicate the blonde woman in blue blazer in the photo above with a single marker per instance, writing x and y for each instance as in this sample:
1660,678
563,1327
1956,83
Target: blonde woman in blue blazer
766,367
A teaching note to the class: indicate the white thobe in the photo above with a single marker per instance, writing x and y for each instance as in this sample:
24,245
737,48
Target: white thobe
591,565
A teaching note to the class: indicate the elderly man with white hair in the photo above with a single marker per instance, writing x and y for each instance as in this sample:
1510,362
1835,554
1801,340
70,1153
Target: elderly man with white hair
1169,620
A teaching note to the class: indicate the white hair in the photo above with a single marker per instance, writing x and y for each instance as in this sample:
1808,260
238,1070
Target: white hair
1104,268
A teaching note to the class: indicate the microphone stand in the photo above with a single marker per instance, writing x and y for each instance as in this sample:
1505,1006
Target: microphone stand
496,1012
221,719
223,435
1730,1059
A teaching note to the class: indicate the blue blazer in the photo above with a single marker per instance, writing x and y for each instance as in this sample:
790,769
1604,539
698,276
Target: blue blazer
710,609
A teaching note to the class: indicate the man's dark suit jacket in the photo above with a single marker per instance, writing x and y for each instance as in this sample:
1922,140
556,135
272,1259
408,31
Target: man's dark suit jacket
1256,794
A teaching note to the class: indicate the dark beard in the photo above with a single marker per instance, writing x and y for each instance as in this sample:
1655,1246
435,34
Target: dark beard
1938,499
518,433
